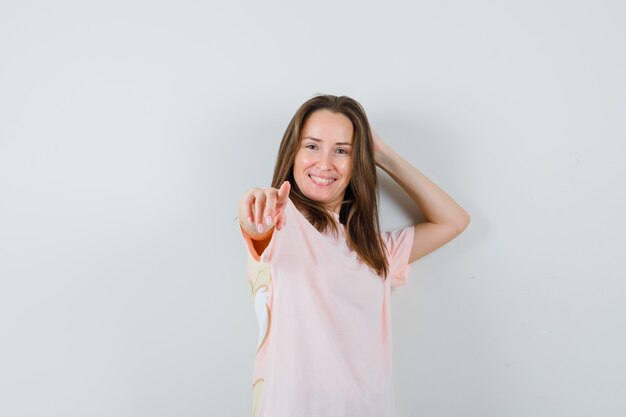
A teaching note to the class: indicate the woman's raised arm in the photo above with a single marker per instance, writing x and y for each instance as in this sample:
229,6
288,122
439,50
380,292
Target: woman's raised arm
445,218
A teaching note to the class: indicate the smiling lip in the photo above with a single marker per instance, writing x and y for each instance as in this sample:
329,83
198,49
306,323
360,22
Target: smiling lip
321,181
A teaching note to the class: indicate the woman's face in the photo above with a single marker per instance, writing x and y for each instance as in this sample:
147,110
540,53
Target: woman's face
323,164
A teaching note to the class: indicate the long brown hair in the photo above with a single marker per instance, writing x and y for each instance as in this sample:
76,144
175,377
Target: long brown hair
359,210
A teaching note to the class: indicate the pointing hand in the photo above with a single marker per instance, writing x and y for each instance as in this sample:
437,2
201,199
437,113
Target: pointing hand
262,208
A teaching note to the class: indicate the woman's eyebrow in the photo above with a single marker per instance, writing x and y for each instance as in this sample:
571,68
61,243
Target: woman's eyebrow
319,140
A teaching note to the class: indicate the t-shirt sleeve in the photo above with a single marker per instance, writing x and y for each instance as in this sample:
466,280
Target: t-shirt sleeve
264,256
399,244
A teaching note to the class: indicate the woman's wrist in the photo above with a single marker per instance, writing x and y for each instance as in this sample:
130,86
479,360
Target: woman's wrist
384,157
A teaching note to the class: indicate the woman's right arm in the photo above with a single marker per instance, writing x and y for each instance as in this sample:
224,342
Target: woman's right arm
260,210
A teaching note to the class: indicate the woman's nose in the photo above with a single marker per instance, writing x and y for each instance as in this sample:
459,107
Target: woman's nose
325,161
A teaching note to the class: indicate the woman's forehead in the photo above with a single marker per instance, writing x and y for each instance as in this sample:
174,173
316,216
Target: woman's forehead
326,126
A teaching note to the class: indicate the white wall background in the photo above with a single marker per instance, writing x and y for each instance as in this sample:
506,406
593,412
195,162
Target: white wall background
129,130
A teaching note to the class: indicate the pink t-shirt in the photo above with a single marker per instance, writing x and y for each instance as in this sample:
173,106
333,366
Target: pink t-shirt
324,347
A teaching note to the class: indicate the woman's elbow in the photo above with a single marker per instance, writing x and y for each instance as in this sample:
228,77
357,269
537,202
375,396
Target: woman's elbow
463,222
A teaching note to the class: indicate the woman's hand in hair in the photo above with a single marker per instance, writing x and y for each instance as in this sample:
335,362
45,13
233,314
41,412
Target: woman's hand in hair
379,147
261,209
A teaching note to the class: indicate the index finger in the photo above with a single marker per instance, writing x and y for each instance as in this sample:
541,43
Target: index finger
283,192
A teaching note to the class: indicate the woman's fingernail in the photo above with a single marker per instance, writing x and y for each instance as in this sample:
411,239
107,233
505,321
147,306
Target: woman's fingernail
268,220
250,220
259,227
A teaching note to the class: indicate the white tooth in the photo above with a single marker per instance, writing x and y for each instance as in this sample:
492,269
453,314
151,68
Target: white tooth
321,180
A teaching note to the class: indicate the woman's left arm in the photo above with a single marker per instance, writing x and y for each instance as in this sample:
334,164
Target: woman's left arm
445,219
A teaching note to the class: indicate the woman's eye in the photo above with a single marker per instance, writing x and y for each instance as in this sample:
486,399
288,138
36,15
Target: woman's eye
342,151
310,146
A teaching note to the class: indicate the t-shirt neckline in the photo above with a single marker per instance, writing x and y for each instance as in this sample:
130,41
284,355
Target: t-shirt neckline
335,215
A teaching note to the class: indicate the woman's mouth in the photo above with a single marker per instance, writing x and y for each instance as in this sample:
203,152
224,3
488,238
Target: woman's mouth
322,181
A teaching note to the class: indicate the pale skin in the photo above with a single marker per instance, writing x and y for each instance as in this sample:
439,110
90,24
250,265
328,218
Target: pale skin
261,208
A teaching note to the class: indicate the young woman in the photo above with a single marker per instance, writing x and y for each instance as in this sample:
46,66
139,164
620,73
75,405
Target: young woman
320,269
